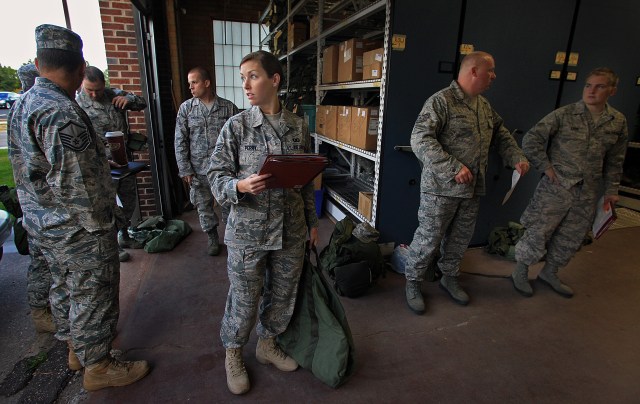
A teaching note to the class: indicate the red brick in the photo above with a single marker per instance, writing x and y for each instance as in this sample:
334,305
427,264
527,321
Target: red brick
123,20
125,34
131,48
110,11
123,5
112,26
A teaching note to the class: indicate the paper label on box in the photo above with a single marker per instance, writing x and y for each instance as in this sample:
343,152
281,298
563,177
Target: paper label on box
373,127
362,112
374,112
378,57
359,62
358,44
375,73
347,54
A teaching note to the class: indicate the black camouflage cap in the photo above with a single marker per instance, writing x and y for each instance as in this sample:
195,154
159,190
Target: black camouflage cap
27,75
53,37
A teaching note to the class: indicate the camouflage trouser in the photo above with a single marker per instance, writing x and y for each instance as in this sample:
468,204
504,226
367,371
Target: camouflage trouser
38,278
85,291
444,223
278,272
556,221
202,198
127,193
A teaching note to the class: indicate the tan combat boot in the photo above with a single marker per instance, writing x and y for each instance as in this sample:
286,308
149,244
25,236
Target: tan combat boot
237,377
73,361
43,320
111,372
267,351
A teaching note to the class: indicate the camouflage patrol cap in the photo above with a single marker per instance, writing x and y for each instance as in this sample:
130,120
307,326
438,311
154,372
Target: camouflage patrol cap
27,75
53,37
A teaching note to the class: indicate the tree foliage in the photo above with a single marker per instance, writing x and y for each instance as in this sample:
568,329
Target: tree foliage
9,79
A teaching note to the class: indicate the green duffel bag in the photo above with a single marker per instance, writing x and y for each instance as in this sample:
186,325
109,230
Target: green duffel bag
318,336
169,237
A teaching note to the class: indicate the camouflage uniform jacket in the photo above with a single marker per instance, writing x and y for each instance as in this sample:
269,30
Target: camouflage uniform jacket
197,132
275,218
449,133
62,177
104,116
580,150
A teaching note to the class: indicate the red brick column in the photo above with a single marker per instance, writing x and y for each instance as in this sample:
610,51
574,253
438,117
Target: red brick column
124,72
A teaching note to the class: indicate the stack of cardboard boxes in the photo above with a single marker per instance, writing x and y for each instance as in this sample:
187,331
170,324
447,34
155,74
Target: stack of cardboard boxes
357,126
351,60
372,64
347,60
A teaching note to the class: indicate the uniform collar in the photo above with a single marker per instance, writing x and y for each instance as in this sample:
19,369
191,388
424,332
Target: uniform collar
257,117
581,108
43,82
214,107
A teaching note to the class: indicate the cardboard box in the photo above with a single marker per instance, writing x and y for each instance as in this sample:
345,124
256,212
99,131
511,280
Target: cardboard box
344,124
372,56
327,121
330,64
365,204
298,33
350,60
317,182
372,71
370,44
364,127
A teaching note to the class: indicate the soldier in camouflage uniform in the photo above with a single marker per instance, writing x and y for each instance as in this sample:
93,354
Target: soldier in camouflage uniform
38,275
267,228
451,138
586,147
107,108
64,186
197,127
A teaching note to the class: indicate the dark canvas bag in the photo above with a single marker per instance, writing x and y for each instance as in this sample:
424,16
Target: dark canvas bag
318,336
353,280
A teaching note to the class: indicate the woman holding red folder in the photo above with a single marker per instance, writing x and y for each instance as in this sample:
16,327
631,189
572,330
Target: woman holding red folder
267,228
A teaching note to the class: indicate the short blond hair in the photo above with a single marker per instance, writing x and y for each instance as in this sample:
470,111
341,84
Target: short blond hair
605,71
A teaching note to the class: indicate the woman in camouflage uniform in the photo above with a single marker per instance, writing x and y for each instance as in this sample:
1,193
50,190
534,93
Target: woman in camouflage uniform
267,228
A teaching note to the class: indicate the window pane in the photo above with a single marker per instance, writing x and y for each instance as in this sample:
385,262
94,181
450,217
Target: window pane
218,54
255,34
221,92
219,76
228,35
228,76
217,31
237,55
239,96
236,33
246,33
246,50
228,55
237,81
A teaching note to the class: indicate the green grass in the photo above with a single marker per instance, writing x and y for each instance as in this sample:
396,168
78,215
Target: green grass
6,173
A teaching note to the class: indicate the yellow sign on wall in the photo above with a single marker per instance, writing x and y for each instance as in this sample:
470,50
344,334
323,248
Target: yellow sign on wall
466,48
398,42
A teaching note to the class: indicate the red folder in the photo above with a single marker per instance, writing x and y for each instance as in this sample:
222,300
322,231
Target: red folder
603,219
292,170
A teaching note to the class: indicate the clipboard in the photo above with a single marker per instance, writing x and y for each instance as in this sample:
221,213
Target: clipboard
603,219
292,170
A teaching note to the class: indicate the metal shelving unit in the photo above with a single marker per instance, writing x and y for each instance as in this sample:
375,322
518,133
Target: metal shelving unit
364,20
344,146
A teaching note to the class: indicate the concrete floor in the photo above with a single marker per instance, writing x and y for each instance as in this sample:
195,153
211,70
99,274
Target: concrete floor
500,348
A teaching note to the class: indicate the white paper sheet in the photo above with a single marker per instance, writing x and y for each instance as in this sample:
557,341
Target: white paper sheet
515,177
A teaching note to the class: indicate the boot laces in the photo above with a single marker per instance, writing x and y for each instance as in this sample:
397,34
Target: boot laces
414,289
277,352
236,365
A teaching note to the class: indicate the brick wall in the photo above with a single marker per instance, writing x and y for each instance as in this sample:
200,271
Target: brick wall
124,73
